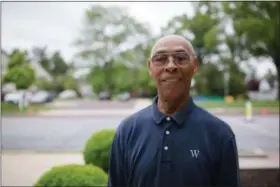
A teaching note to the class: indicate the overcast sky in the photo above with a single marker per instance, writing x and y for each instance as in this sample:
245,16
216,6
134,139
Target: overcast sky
57,24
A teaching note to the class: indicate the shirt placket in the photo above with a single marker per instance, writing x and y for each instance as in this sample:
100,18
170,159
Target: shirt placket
166,155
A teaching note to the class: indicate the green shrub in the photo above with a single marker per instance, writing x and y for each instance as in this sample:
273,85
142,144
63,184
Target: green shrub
73,175
97,149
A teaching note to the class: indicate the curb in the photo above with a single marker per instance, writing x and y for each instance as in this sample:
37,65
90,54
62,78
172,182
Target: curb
256,153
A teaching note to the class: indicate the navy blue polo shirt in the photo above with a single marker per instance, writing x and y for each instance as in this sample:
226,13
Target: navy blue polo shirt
189,148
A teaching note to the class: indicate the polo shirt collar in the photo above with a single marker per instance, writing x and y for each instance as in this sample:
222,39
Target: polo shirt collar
179,117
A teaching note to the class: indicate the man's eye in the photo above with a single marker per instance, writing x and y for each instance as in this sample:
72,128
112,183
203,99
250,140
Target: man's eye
181,57
160,58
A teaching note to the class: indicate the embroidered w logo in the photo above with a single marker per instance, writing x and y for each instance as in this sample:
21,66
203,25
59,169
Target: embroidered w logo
194,153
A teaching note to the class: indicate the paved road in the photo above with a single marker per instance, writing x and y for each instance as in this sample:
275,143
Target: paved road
94,104
52,134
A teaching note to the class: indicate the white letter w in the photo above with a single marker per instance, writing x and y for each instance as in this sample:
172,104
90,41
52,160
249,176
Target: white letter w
194,153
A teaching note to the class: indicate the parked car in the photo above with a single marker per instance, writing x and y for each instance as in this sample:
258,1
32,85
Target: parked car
105,95
68,94
125,96
42,97
15,97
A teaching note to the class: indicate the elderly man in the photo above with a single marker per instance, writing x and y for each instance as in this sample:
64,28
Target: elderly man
173,142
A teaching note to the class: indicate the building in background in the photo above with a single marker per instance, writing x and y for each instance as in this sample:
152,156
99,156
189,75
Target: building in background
41,73
266,91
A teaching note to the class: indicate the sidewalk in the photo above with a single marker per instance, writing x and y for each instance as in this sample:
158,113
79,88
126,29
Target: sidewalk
139,104
24,168
85,113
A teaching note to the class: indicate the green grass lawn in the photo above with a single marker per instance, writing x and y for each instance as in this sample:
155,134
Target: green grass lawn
238,104
7,108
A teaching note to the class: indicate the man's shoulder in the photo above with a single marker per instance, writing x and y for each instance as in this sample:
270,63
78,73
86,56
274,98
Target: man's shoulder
140,115
214,123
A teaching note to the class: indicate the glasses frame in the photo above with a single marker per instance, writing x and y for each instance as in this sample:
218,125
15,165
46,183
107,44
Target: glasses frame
192,57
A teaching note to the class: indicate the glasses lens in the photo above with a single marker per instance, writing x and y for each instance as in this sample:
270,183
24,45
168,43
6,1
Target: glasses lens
178,58
181,58
160,59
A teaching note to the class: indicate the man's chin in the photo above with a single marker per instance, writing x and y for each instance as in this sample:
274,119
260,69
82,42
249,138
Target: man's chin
169,97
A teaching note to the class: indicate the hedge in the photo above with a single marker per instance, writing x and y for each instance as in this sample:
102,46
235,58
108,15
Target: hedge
73,175
97,149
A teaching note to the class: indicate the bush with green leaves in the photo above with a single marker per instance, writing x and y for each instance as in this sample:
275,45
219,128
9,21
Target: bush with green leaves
73,175
97,149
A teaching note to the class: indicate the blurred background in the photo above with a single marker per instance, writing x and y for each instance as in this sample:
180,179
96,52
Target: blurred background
72,69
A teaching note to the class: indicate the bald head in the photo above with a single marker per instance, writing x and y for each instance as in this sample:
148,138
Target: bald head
163,43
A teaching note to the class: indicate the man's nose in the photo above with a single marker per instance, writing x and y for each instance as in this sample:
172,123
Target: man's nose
171,66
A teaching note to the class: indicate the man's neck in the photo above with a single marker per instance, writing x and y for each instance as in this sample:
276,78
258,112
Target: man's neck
171,107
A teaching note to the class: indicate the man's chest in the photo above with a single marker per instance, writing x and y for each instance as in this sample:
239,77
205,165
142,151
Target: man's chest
171,155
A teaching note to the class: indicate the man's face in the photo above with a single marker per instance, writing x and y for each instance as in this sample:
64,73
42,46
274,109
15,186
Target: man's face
172,67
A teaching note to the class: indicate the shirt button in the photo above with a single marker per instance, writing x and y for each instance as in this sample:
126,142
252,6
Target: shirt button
165,148
167,132
168,118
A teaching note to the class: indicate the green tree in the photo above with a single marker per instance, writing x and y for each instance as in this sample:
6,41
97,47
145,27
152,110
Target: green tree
257,25
97,79
228,58
145,83
19,70
23,76
17,59
206,86
105,31
44,84
202,30
69,83
236,83
58,65
108,37
55,65
122,78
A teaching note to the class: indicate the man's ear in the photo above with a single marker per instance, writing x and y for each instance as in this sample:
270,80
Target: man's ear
149,67
195,64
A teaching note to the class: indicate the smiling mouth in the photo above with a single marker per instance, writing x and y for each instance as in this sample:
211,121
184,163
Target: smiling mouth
171,80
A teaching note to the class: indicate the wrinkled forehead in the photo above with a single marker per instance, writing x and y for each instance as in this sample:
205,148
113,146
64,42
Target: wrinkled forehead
171,45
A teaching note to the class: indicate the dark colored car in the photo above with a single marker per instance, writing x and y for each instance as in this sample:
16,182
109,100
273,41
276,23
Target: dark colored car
51,96
105,96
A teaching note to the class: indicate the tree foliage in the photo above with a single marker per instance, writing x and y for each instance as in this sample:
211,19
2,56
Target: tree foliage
19,70
107,33
109,37
52,63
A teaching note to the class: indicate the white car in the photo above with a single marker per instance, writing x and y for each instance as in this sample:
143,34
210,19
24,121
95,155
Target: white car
67,94
15,97
39,97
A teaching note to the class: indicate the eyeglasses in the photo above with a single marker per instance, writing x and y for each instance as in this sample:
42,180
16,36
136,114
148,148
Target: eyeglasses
180,58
